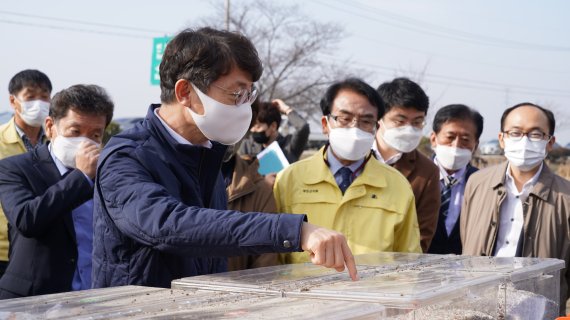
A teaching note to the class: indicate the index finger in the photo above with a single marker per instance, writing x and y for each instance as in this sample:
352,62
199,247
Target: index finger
349,261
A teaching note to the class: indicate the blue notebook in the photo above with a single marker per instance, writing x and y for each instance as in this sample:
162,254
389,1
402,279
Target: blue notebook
272,159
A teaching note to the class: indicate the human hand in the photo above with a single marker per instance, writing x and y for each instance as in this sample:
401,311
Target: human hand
270,178
328,248
283,108
87,157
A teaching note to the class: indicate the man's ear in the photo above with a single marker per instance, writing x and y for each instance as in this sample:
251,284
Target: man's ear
550,144
182,90
324,125
49,127
432,140
273,126
501,140
12,100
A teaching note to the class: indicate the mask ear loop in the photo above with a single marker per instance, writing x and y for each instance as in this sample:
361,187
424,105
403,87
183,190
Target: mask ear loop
448,180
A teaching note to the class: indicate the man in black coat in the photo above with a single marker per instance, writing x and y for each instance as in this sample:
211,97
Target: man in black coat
47,198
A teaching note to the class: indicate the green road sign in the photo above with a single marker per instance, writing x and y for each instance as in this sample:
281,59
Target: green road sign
158,47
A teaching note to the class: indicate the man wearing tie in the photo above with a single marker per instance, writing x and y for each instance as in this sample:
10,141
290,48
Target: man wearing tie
455,136
340,188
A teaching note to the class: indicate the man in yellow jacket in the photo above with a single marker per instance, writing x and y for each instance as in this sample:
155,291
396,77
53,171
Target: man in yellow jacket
339,188
30,93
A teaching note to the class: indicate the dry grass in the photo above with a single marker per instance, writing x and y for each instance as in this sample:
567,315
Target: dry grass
561,169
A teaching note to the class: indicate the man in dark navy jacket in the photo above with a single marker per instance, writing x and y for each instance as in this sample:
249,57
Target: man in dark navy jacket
160,199
47,197
455,137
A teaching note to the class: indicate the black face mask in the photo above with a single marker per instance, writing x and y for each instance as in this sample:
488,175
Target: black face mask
260,137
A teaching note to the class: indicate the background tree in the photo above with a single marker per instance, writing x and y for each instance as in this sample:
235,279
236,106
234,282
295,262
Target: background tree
296,50
112,129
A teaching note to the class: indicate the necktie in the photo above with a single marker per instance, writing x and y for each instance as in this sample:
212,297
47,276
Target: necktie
345,178
446,198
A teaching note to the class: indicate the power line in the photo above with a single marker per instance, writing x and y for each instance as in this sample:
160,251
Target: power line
372,41
442,32
472,84
97,24
108,33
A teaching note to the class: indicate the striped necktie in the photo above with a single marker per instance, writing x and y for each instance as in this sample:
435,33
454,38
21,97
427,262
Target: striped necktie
445,199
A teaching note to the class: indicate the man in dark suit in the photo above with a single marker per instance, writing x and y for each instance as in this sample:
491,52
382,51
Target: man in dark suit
47,197
455,137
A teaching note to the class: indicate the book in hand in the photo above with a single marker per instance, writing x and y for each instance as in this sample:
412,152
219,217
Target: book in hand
272,159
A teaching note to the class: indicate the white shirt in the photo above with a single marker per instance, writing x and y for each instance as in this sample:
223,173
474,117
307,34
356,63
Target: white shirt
511,215
180,139
393,159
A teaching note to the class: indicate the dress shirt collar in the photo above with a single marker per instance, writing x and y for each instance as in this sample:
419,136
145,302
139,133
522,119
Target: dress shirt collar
393,159
180,139
458,175
527,187
335,165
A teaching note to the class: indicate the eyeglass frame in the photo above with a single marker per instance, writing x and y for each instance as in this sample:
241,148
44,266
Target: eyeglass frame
354,122
411,123
250,95
544,135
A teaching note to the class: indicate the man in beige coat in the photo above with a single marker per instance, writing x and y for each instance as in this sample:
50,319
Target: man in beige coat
520,208
248,191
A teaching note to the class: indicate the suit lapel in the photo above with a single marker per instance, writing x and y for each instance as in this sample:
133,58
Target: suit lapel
47,170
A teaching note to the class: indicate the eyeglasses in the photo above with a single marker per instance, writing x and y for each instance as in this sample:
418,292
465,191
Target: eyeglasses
349,121
396,123
535,135
242,95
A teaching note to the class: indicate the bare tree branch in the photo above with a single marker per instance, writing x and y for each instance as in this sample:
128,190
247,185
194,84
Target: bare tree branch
291,47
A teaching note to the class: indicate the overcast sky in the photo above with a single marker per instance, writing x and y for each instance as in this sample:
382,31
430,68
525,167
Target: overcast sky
487,54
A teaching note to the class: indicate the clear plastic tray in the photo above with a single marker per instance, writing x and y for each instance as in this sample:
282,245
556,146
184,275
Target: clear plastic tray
269,280
106,303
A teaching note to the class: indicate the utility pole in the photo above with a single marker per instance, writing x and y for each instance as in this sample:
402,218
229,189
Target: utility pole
228,15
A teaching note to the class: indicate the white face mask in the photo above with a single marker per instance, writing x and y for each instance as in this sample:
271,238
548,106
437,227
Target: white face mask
34,112
65,148
350,143
452,158
525,154
223,123
402,139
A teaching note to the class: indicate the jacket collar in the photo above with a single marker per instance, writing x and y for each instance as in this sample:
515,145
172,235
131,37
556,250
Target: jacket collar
541,189
543,185
10,134
318,171
186,153
406,163
45,165
244,177
46,168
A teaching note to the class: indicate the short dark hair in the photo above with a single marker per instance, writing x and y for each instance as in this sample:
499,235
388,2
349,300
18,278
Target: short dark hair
268,113
548,113
356,85
86,99
403,92
29,78
458,112
202,56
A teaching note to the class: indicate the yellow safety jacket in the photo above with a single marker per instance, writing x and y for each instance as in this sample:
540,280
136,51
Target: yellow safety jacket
377,212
